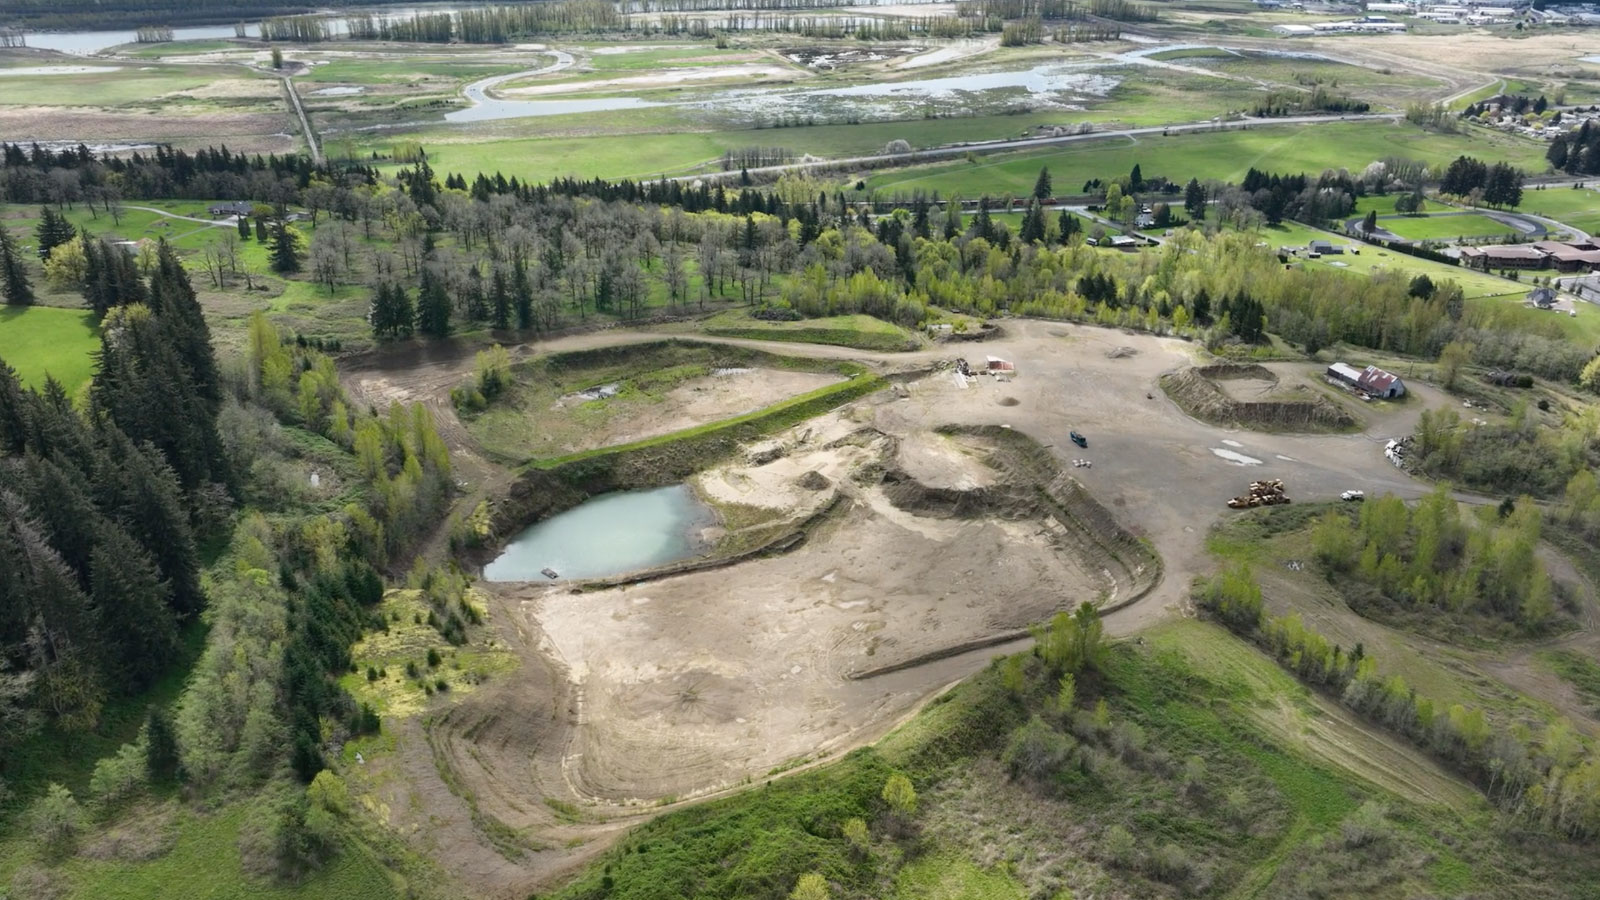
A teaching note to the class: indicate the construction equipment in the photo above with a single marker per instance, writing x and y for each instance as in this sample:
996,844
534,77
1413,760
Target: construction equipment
1262,493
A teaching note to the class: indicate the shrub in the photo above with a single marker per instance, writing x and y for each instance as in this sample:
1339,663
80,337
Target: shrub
1171,864
1120,847
1036,751
119,776
56,820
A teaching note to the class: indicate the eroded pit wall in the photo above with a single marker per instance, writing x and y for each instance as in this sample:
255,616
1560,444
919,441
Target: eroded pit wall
1197,394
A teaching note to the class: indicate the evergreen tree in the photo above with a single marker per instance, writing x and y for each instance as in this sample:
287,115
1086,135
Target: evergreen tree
161,746
52,231
952,219
243,225
13,274
284,248
523,292
1042,189
262,235
130,601
1201,307
1069,225
500,300
1033,224
177,309
1194,201
392,315
1370,223
433,306
1136,179
13,412
139,491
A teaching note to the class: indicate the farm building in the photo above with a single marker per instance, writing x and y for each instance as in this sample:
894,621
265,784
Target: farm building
1543,297
1325,247
1371,381
236,208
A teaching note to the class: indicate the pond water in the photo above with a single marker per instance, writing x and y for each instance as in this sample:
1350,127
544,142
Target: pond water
609,535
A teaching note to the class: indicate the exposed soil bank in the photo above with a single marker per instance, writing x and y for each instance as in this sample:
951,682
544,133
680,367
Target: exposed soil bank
1198,393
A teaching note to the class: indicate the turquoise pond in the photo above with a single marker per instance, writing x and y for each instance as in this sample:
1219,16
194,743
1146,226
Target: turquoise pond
608,535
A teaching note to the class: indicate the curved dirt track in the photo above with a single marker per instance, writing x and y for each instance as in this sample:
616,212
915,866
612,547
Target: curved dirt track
696,684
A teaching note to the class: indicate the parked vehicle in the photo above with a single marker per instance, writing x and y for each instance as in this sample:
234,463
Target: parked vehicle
1353,496
1079,439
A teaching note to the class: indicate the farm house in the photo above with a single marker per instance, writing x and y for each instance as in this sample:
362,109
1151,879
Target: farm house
1371,381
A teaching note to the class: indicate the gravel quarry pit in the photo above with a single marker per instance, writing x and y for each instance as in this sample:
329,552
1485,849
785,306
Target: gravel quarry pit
684,686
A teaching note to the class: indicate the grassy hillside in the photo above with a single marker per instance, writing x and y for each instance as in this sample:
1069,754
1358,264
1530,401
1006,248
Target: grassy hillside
1190,766
1225,155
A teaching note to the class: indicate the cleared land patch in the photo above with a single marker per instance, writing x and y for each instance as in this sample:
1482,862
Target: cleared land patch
40,341
569,404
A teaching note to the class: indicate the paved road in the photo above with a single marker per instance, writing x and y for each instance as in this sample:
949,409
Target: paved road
215,223
477,93
305,121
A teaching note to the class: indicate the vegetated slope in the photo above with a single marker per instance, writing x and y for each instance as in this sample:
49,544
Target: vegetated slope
1196,393
1153,779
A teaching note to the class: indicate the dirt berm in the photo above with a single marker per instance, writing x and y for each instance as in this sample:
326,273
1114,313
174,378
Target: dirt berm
1197,393
1032,486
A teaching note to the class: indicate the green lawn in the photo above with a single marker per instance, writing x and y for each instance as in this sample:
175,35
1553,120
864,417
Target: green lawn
41,340
1226,155
1445,227
1579,208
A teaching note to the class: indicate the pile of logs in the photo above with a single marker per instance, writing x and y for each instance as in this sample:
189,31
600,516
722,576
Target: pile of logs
1262,493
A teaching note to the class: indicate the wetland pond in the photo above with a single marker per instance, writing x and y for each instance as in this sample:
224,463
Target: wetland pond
608,535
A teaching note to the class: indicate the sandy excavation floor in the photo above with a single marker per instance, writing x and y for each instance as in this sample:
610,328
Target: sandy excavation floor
688,685
698,682
706,399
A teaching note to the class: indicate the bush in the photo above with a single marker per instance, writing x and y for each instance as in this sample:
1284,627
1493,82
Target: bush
1036,751
286,837
119,776
1120,847
1171,864
56,820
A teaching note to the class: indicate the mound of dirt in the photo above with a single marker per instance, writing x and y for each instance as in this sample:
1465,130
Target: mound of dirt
1121,353
814,481
1008,401
1196,391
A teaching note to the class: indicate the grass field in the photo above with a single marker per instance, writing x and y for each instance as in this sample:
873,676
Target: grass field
40,341
1579,208
399,71
1226,155
1445,227
860,331
117,86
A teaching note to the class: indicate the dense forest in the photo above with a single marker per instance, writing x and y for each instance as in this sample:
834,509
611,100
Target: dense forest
60,14
164,495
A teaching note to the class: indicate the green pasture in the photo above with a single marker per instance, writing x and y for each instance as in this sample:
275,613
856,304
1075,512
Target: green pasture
672,57
117,86
1578,207
1225,155
400,71
173,48
1445,227
40,341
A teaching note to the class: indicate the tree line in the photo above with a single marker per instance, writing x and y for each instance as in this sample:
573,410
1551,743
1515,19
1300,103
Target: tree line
1576,153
